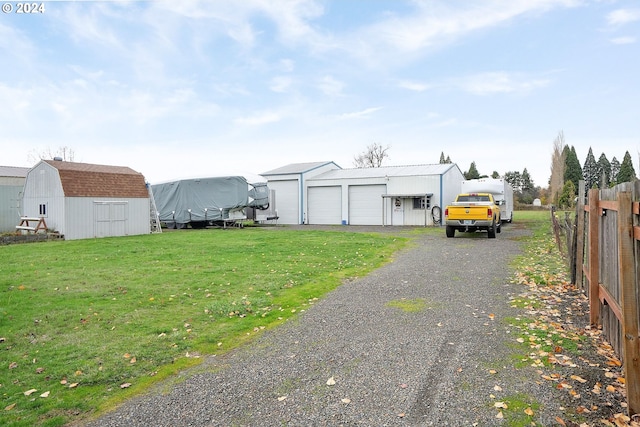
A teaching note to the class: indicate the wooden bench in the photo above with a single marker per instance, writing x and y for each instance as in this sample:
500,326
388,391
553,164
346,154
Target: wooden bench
25,224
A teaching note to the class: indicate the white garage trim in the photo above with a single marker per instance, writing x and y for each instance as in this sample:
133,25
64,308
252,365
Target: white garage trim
365,204
325,205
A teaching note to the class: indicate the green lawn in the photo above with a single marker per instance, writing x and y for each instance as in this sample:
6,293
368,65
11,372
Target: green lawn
86,324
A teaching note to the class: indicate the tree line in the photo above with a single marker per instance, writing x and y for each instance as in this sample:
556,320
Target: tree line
566,172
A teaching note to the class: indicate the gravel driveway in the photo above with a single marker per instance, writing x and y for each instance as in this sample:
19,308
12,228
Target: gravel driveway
356,359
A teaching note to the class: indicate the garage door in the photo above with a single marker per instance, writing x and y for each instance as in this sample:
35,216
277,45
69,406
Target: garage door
325,205
287,201
365,204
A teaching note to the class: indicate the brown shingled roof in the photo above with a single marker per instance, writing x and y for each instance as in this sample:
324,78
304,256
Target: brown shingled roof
87,180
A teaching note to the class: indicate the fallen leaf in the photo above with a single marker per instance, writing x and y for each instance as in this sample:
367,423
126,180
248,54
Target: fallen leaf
401,415
529,412
501,405
347,401
492,316
281,398
10,407
611,389
45,394
331,381
497,388
493,371
13,365
499,415
74,385
579,379
125,385
30,392
133,360
561,421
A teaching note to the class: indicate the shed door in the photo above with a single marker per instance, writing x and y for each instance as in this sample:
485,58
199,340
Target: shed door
365,204
325,205
287,201
110,218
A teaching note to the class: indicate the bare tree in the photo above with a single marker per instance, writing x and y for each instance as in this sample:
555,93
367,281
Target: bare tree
556,181
373,157
65,153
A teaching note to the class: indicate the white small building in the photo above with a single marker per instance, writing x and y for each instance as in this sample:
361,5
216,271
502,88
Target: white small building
81,200
396,195
11,185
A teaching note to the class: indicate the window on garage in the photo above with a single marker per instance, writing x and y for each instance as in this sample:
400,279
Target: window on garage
422,202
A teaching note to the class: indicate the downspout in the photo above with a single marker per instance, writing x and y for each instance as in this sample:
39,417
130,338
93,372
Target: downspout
301,219
441,199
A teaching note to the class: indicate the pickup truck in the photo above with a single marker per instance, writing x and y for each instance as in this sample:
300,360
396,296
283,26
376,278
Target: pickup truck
473,212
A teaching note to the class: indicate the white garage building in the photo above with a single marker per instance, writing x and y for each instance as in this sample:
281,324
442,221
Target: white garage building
397,195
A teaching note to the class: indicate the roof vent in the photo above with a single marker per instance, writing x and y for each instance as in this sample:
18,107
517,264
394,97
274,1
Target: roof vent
57,159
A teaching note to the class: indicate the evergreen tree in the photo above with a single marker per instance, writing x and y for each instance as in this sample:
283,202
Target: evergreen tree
514,179
472,173
572,169
495,175
615,169
627,173
448,161
590,171
442,159
604,171
567,196
527,189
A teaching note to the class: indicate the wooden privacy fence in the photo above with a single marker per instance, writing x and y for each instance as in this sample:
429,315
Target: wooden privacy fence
608,269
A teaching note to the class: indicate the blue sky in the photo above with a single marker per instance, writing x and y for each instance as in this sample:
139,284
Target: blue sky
178,89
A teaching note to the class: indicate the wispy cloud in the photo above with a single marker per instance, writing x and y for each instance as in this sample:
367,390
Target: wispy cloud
624,40
621,17
414,86
330,86
360,114
261,118
498,82
435,24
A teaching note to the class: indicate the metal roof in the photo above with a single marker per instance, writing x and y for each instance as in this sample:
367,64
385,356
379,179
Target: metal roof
13,171
387,171
298,168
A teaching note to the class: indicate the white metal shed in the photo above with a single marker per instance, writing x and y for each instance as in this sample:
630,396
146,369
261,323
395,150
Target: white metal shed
395,195
82,200
11,185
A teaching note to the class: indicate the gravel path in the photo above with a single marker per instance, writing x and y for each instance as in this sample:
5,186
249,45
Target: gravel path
434,367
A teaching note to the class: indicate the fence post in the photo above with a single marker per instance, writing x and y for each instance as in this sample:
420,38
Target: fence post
629,300
594,259
580,235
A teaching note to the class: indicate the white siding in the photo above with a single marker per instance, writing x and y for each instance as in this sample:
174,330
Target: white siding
287,200
325,205
89,217
10,207
43,187
365,204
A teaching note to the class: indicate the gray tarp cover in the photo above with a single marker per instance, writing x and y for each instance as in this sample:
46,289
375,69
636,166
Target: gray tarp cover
217,195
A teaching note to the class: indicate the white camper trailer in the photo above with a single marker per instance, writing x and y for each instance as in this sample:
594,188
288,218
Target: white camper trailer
500,189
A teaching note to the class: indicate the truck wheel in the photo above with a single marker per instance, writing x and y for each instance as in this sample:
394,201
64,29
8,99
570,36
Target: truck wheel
450,231
492,230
